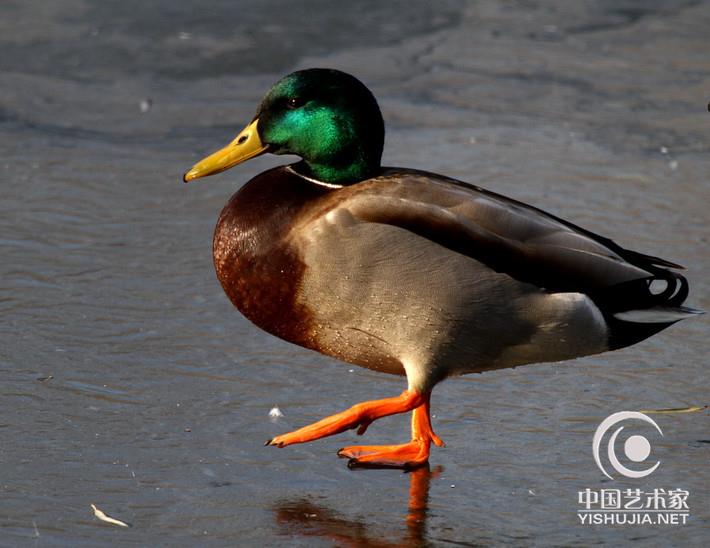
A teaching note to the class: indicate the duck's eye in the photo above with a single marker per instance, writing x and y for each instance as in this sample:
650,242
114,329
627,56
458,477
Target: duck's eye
294,102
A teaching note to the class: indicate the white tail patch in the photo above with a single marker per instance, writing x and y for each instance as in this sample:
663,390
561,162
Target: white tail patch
657,314
656,287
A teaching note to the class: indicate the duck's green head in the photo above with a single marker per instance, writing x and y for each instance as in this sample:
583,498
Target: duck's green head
327,117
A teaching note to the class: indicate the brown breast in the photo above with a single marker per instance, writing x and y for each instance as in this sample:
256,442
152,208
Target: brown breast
255,264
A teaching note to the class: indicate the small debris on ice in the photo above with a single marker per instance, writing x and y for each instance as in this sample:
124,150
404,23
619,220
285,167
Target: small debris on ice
275,413
145,104
108,519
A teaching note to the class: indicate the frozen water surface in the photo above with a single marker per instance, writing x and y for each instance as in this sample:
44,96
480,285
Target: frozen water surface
129,381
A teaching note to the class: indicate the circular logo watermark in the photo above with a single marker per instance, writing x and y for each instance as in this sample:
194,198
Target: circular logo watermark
636,448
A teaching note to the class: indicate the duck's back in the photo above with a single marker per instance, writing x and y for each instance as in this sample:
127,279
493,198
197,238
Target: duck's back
412,271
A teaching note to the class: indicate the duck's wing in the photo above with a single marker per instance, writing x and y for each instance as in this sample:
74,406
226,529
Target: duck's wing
524,242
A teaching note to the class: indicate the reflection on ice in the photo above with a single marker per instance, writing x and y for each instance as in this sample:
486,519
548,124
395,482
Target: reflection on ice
305,518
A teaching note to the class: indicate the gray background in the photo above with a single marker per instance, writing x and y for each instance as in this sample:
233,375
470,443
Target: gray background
158,404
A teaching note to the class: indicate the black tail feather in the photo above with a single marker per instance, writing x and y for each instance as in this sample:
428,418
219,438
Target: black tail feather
637,295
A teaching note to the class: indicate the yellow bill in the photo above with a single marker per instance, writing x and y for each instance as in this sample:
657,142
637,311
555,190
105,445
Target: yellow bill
246,145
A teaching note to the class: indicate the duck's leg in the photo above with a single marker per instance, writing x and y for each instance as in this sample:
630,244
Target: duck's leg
409,455
358,416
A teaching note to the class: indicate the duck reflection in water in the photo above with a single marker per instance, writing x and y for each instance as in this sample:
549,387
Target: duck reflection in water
303,517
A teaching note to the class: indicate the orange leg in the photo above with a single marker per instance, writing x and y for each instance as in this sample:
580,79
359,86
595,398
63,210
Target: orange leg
409,455
358,416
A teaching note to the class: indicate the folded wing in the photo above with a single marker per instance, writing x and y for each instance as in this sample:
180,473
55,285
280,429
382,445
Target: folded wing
524,242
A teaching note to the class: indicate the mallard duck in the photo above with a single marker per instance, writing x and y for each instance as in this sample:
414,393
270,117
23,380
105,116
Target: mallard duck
408,272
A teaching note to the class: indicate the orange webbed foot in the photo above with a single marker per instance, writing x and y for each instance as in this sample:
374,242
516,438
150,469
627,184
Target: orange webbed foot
407,456
359,416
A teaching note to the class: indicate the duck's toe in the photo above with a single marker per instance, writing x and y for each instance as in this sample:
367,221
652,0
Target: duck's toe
407,456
